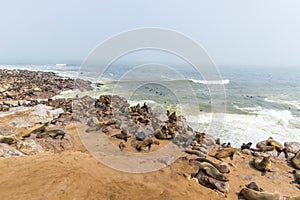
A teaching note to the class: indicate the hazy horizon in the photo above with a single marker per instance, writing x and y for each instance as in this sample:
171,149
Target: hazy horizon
234,33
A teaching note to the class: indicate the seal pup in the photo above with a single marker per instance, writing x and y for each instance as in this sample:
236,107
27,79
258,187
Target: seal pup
263,165
250,194
221,167
209,169
296,161
147,143
225,153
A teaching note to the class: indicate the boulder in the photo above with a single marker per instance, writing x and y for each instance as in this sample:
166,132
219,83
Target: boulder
292,147
30,147
7,151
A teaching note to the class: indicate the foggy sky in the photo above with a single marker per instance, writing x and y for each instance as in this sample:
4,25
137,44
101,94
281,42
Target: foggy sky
234,32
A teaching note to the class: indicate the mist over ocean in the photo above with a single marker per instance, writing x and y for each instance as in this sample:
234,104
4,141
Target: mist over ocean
260,102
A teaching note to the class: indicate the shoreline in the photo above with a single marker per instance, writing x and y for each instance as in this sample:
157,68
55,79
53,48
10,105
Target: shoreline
34,145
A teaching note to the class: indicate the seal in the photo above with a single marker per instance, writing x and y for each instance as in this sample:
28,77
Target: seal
296,161
226,152
250,194
263,165
54,133
40,129
122,146
272,142
221,167
266,148
246,146
210,182
8,140
254,186
209,169
160,135
294,198
146,143
124,135
195,152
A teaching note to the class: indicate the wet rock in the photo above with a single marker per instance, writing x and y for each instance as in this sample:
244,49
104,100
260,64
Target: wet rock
7,151
292,147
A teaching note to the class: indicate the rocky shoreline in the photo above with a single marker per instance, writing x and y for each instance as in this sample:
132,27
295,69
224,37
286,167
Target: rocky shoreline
35,127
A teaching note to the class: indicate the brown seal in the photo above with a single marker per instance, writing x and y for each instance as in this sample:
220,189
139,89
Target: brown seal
296,161
122,146
210,182
226,152
124,135
254,186
209,169
54,133
146,143
195,152
263,165
221,167
266,148
272,142
40,129
250,194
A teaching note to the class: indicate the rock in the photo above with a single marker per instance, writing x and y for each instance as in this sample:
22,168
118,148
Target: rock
56,145
7,130
209,141
93,121
140,136
261,144
30,147
292,147
7,151
246,151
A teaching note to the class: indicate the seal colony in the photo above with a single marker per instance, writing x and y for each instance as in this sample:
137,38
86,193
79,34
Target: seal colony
136,128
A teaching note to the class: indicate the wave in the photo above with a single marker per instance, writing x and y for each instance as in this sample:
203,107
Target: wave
241,128
211,82
295,104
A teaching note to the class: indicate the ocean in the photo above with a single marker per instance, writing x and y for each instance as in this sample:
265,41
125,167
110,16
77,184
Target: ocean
260,101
